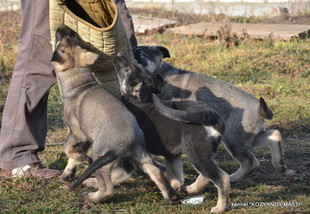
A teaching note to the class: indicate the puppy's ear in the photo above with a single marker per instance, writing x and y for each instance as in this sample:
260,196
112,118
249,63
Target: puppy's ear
264,110
145,96
87,58
91,57
56,57
159,81
164,51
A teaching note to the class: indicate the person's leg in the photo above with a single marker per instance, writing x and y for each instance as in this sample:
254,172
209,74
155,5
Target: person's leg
24,122
127,21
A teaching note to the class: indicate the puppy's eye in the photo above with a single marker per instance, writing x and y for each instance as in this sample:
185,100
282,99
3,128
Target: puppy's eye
140,53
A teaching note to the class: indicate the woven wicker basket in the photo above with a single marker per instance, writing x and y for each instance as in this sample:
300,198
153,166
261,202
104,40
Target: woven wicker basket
101,30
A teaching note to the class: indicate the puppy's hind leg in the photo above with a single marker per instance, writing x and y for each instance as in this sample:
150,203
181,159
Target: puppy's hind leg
174,166
210,171
222,184
248,164
121,170
105,185
91,182
147,165
273,140
244,156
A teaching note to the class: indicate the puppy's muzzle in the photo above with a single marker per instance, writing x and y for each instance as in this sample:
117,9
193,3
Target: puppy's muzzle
120,63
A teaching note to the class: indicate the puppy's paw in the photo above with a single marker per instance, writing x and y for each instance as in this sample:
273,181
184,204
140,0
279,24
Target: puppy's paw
177,185
91,182
67,175
88,159
86,195
175,199
190,190
90,196
97,197
284,169
217,209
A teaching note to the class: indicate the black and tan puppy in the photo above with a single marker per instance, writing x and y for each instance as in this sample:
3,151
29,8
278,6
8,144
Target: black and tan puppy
97,118
243,114
175,128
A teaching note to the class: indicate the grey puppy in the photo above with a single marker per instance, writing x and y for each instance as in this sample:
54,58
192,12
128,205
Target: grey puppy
97,118
173,128
243,114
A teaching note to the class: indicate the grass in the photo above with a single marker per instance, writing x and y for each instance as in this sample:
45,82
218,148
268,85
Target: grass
278,71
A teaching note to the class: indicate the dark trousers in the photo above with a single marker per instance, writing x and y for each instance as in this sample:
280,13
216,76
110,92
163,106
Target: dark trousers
24,121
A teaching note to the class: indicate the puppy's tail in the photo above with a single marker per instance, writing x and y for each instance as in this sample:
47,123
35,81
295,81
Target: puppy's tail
107,158
206,117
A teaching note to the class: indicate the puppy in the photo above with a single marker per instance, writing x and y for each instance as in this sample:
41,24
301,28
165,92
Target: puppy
175,128
97,118
243,114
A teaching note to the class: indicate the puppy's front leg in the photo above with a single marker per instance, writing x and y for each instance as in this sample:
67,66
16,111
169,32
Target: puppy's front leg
77,153
70,170
147,165
77,150
273,140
